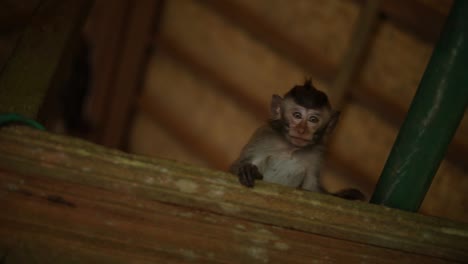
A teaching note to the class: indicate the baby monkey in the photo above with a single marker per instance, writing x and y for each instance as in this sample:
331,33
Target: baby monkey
288,149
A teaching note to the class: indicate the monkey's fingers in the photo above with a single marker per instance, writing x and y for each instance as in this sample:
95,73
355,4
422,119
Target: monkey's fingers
244,180
257,174
245,176
254,173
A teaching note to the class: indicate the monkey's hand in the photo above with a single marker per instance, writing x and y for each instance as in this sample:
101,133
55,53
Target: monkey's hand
248,173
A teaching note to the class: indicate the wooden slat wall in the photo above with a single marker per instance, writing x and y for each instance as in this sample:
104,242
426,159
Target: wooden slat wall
217,63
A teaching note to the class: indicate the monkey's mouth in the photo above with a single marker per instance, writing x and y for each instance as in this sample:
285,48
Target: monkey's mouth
298,141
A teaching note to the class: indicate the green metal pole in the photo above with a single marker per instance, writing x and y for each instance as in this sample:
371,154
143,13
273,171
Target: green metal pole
431,122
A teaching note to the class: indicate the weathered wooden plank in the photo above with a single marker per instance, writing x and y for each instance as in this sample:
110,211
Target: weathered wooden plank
46,217
168,231
80,163
26,78
30,245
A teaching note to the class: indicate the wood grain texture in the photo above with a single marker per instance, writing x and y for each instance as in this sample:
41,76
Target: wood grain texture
55,187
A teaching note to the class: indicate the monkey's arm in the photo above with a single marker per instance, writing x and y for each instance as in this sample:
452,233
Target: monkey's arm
248,167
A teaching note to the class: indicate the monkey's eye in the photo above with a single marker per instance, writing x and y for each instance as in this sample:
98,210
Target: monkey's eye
297,115
313,119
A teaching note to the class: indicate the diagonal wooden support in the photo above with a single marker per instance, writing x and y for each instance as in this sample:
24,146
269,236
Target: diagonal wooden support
66,193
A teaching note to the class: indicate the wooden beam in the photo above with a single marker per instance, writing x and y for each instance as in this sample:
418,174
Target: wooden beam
35,63
129,72
52,219
45,168
354,56
105,31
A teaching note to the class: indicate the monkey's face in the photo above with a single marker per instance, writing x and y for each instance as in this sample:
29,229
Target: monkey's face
302,123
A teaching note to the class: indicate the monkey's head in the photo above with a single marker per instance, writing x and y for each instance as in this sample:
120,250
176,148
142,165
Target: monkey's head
303,115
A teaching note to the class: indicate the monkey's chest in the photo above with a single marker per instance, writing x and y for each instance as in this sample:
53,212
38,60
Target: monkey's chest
286,170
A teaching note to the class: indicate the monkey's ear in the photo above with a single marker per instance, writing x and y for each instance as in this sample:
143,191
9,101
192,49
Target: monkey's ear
335,116
275,107
323,134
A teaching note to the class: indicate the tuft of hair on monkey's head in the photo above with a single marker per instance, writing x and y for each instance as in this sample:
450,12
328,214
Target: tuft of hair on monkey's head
308,96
